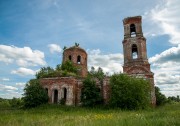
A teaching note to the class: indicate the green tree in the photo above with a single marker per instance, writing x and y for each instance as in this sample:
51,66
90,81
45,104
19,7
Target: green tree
173,98
16,102
90,95
58,67
92,71
129,92
160,98
4,103
34,94
99,74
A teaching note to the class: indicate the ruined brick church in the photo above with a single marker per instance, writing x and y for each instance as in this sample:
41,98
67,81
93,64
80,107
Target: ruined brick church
135,64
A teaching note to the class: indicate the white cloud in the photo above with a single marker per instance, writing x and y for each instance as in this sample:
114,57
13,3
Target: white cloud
20,84
165,20
7,91
54,48
23,71
167,76
172,54
110,63
94,51
164,78
9,94
171,90
5,79
166,67
6,87
22,56
5,59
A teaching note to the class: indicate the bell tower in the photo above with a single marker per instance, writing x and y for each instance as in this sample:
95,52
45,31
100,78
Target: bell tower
135,54
78,57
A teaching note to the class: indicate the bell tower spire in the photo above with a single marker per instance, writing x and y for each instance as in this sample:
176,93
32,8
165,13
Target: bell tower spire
135,53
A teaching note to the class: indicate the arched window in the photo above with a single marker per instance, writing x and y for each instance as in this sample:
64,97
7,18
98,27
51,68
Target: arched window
79,59
55,96
134,51
70,57
133,30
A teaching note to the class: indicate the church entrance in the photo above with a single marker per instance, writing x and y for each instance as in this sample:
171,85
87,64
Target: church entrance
65,94
55,96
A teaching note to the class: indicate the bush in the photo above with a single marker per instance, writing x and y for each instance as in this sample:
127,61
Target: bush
90,95
4,103
62,101
44,72
160,98
69,67
66,69
34,94
16,102
129,93
174,99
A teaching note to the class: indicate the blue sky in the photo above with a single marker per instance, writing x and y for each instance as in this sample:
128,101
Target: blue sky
33,33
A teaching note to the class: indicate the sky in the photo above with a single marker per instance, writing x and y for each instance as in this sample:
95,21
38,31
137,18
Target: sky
34,32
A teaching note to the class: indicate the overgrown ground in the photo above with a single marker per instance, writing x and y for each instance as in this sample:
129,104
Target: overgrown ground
54,115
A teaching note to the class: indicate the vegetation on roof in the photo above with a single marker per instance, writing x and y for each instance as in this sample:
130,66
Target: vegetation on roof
66,69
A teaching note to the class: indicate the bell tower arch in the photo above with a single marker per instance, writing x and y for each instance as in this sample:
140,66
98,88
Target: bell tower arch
135,53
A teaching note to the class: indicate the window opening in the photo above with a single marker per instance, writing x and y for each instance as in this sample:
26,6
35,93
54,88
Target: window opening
133,30
70,57
134,51
78,59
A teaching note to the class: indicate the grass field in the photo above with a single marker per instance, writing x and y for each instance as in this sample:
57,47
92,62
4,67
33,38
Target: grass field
55,115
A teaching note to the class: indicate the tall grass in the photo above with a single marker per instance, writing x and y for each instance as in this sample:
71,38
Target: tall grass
55,115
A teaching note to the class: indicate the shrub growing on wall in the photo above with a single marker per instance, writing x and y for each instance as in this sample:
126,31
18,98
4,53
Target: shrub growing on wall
34,94
69,67
128,92
66,69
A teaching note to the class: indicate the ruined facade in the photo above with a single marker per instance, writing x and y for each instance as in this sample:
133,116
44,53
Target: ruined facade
135,64
68,88
135,54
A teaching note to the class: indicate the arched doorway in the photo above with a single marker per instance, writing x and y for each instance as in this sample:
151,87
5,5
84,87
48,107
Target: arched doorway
55,96
65,94
46,89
